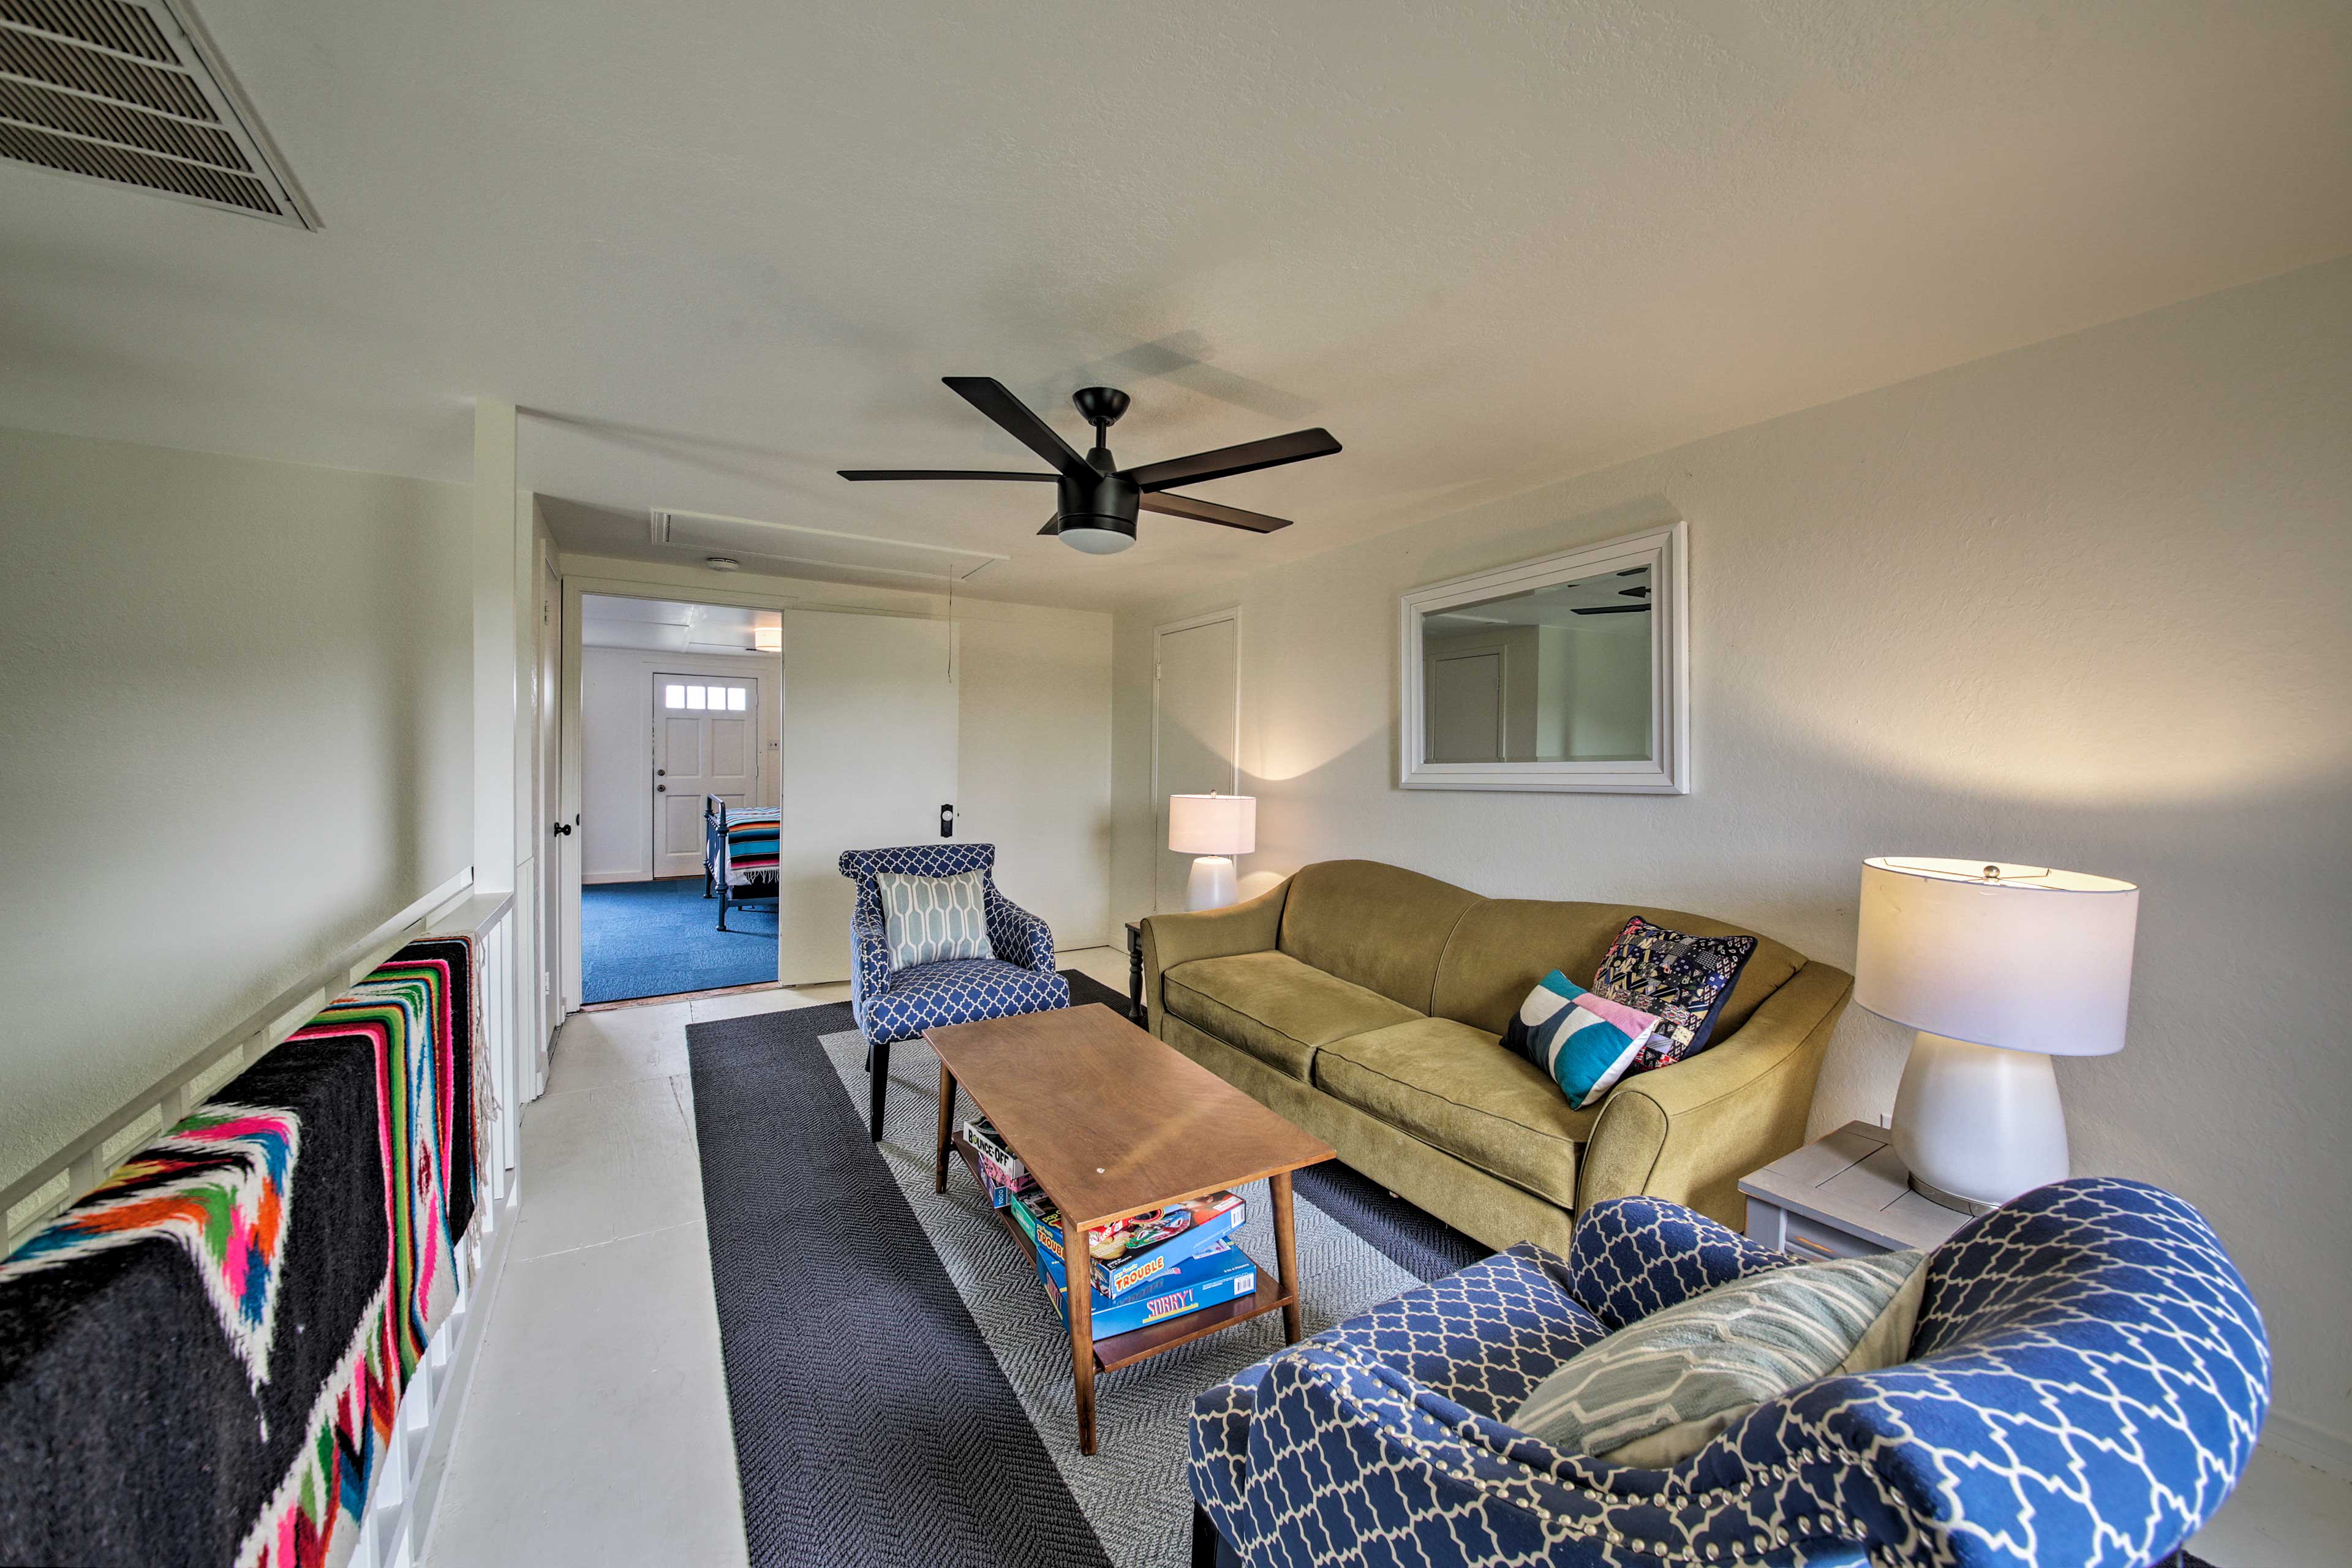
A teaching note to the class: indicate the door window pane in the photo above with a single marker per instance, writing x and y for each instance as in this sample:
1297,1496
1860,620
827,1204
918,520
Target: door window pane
718,697
673,696
694,701
734,699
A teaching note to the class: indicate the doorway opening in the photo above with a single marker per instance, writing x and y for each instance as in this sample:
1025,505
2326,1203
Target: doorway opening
681,725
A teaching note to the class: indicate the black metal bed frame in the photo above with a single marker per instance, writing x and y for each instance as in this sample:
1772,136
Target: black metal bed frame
714,839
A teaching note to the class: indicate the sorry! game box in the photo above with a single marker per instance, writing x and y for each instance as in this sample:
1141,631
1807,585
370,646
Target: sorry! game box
1130,1253
1222,1273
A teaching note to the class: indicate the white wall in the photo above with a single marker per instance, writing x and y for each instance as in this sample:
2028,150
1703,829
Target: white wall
2082,604
235,737
1034,759
616,764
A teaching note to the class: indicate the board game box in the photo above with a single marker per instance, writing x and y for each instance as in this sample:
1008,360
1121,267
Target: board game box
1222,1273
1134,1251
1000,1171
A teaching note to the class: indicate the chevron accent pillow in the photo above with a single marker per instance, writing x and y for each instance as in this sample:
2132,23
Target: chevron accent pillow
1659,1390
929,920
1585,1042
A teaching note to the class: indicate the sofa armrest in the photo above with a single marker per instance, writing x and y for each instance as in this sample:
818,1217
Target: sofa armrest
1018,936
1689,1132
1633,1257
1250,926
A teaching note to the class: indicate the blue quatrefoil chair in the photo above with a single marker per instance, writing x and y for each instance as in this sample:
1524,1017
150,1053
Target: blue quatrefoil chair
2087,1378
900,1005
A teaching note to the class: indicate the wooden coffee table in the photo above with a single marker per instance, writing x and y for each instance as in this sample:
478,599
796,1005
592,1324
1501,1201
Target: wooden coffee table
1111,1122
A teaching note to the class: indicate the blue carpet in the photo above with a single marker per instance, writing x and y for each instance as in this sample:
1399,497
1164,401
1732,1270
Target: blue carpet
655,938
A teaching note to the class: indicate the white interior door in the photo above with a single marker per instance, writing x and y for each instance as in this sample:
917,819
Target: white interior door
554,847
1466,707
869,757
1196,725
705,742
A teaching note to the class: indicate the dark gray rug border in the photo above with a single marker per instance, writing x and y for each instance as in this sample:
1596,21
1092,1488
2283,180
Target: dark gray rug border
873,1426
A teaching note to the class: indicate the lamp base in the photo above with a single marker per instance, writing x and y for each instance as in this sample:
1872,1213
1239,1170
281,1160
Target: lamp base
1978,1125
1210,885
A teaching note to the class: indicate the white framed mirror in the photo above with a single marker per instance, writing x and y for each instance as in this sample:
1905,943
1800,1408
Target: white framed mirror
1570,672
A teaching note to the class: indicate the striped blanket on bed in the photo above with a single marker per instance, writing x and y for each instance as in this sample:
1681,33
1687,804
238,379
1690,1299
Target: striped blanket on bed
746,852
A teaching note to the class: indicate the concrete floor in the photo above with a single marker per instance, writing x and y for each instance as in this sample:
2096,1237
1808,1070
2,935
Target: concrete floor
597,1429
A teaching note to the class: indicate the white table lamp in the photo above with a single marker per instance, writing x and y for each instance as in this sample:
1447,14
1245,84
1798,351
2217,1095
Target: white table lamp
1213,829
2000,968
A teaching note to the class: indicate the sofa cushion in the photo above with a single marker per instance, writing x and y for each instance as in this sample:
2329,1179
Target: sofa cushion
1501,949
1273,1006
1380,927
1456,1087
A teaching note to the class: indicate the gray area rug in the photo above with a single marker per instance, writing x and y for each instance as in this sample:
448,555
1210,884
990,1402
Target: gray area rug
898,1384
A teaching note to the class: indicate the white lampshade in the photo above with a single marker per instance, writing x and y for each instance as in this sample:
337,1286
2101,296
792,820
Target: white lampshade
2020,957
1212,823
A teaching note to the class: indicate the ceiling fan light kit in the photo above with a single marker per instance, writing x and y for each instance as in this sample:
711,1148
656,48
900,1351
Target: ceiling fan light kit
1097,502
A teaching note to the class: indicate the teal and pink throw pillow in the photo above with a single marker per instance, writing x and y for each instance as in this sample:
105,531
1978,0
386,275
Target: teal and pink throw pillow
1585,1042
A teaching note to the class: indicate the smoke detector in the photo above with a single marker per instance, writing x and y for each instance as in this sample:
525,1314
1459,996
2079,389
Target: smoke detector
132,93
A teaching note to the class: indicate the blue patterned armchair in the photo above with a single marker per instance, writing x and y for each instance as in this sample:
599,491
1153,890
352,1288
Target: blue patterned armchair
899,1004
2086,1381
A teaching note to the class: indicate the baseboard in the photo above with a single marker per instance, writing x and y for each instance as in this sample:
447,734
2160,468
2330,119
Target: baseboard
2314,1446
587,877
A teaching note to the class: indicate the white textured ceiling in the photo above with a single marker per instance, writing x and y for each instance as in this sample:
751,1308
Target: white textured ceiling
720,249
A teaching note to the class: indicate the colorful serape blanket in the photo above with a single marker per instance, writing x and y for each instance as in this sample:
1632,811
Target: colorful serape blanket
201,1359
745,853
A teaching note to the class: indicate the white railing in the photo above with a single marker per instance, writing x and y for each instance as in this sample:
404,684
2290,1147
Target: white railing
401,1494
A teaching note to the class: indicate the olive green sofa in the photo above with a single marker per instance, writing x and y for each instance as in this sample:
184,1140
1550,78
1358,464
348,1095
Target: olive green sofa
1366,1003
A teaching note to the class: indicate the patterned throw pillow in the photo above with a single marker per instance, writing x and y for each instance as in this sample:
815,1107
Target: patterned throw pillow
1585,1042
1682,979
1658,1391
928,920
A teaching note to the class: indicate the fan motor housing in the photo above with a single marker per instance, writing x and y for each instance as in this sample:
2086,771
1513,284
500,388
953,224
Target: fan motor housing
1097,516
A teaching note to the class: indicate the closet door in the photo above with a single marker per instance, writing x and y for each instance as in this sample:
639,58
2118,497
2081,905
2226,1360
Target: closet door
869,758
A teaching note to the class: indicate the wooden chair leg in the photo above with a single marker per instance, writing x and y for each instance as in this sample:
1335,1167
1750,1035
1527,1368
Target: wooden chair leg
877,1086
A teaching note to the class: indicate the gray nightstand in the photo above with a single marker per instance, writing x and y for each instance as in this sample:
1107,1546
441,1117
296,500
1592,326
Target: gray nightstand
1845,1195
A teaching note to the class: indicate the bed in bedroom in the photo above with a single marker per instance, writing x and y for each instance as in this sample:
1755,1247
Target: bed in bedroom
739,854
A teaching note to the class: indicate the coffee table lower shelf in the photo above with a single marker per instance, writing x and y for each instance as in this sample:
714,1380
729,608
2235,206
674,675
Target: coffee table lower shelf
1125,1350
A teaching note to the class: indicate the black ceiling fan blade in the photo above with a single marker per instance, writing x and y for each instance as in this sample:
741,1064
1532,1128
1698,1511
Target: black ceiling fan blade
1210,511
1245,459
993,398
861,475
1053,526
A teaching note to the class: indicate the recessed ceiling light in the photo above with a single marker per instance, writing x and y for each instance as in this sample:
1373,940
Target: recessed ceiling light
722,564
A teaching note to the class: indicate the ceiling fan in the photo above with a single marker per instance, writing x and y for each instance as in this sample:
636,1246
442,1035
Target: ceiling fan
1098,502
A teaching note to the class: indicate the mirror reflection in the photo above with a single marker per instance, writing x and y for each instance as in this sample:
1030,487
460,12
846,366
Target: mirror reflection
1546,675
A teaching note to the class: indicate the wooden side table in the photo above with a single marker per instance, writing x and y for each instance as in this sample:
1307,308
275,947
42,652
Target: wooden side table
1135,971
1843,1195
